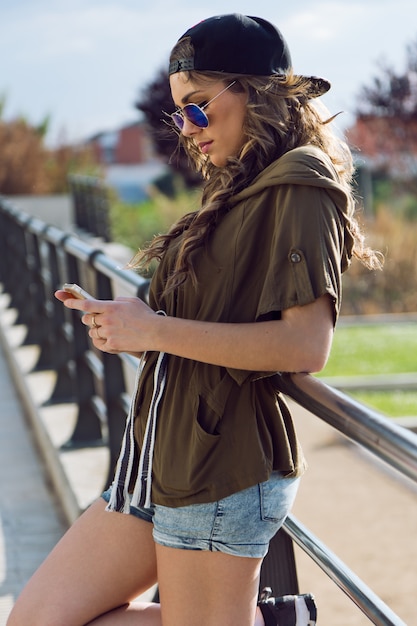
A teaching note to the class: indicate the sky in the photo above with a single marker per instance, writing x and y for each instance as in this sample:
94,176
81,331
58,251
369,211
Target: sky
85,62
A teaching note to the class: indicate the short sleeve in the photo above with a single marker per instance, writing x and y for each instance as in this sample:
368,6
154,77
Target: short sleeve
305,259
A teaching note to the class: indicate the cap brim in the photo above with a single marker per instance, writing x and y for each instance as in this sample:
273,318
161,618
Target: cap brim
318,86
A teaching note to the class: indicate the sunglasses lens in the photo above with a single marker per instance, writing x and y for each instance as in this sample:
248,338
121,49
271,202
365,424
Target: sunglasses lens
196,115
178,120
193,113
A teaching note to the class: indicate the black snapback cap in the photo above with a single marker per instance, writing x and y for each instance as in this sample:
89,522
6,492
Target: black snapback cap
240,44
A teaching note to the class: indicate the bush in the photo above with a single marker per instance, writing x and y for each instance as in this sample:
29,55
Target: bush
28,167
392,290
21,159
134,225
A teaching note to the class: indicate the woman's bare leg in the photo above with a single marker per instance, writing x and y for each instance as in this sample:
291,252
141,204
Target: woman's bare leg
148,615
207,588
204,588
105,560
135,614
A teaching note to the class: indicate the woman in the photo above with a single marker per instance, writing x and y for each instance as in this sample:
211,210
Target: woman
247,286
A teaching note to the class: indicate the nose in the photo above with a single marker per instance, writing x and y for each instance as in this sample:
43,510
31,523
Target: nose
189,129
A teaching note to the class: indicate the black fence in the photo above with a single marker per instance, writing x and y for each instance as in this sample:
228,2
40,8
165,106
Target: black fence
38,258
91,202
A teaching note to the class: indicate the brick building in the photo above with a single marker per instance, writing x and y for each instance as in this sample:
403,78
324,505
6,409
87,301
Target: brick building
130,163
128,145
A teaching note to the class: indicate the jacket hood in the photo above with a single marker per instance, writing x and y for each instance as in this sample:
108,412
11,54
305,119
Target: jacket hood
308,166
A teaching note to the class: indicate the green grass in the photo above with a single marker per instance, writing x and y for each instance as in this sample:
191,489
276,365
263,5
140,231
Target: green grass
366,350
391,403
379,349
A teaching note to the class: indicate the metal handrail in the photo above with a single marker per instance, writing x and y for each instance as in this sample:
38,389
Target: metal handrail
365,599
393,444
385,440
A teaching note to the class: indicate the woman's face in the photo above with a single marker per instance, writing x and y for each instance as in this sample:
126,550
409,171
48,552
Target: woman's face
224,135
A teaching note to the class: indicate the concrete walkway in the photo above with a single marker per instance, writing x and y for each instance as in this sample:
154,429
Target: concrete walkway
364,512
30,516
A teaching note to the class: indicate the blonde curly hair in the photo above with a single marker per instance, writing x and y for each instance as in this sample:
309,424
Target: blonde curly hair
281,115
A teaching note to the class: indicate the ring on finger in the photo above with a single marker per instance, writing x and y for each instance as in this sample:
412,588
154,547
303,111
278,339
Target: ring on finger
93,321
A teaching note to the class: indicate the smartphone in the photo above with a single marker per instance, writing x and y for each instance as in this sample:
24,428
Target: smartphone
77,291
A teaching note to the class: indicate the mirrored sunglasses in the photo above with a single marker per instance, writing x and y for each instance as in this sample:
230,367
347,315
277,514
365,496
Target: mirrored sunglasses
194,113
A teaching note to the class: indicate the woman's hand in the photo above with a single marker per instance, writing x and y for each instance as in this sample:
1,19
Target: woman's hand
120,325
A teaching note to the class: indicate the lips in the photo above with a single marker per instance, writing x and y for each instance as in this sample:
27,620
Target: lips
204,146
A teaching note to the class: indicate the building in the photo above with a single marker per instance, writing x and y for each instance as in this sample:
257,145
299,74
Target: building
128,145
129,160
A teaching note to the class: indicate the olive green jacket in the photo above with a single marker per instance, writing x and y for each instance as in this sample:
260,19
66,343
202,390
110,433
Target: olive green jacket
285,242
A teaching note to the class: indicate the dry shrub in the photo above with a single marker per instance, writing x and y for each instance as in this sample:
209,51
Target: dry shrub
21,159
28,167
392,290
67,160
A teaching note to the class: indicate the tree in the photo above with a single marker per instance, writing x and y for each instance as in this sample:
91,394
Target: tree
386,125
391,94
155,102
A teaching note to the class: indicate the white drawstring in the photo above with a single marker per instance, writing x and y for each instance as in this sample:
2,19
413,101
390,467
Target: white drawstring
119,497
142,491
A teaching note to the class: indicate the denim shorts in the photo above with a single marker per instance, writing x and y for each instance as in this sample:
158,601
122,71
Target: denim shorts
241,524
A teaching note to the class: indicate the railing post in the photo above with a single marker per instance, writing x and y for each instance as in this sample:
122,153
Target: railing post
91,205
39,326
59,330
279,570
16,277
88,428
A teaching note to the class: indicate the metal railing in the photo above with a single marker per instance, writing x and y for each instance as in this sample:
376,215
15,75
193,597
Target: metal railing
373,432
90,198
38,258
